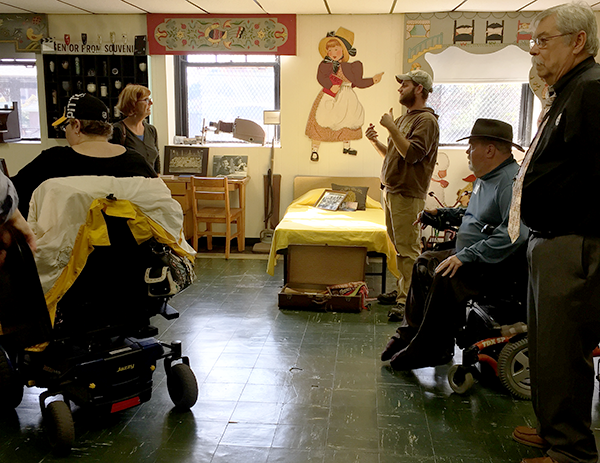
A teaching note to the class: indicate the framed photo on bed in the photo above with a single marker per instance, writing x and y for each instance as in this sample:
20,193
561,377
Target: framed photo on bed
186,160
330,200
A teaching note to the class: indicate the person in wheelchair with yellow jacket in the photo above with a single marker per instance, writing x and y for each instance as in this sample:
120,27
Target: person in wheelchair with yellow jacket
482,260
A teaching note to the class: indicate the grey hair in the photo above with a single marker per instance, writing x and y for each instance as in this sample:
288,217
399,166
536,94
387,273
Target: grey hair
572,18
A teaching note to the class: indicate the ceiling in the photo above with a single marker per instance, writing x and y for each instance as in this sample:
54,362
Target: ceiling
271,6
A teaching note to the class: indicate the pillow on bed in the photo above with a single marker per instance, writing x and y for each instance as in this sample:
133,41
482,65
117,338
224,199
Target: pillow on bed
355,193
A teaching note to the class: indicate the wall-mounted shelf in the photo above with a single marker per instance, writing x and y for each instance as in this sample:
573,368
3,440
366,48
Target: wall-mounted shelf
103,76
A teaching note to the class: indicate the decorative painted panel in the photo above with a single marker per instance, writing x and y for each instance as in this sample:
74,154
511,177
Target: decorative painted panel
241,34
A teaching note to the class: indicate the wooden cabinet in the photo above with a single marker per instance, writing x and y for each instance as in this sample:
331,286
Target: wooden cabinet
103,76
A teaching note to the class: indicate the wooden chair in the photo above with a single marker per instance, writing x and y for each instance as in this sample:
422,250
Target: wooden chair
206,189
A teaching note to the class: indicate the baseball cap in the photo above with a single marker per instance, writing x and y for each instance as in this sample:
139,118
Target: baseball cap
418,77
83,106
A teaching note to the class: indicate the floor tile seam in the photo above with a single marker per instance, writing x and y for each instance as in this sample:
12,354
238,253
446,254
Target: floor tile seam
216,361
280,404
270,446
330,405
429,431
301,342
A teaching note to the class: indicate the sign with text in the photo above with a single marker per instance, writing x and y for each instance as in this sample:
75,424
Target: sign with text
71,47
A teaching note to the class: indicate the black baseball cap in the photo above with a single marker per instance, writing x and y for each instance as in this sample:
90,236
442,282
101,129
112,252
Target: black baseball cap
83,106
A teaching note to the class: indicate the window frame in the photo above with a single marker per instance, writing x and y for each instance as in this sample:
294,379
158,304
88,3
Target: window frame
32,63
524,129
181,90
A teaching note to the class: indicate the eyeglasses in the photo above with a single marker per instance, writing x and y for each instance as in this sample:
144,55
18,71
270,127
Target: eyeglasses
542,42
146,100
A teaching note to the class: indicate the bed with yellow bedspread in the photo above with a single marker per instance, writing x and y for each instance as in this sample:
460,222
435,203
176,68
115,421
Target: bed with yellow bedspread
305,224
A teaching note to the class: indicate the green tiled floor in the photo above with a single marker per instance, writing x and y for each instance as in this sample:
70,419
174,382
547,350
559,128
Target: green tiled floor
286,387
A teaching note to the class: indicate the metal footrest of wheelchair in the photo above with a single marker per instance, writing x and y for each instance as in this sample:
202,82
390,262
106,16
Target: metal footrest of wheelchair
168,312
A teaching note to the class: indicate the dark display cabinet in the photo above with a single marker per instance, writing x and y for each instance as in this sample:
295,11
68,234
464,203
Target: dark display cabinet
103,76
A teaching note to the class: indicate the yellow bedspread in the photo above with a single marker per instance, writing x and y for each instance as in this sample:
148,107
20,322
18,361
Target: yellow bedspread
305,224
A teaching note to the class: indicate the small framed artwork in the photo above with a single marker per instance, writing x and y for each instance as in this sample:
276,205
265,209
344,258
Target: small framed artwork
330,200
186,160
230,166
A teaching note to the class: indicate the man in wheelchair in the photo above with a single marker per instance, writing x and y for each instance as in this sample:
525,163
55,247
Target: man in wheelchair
481,261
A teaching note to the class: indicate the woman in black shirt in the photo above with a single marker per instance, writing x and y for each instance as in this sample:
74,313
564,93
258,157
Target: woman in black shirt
87,131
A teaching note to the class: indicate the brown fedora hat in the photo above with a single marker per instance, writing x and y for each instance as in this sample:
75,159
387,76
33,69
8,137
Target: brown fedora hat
494,129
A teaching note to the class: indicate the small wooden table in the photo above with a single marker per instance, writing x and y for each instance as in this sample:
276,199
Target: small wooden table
181,190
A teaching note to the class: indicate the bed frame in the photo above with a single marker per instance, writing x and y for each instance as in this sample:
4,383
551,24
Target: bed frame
303,184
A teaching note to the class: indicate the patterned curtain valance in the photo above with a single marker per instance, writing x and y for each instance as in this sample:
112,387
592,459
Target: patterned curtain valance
241,34
478,33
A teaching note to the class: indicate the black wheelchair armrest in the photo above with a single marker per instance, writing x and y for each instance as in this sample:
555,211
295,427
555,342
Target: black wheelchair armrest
444,219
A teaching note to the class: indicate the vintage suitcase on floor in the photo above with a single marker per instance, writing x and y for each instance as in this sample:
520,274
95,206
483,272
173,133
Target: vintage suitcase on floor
312,268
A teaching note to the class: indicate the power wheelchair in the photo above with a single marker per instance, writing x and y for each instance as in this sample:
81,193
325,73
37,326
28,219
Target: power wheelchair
494,337
102,352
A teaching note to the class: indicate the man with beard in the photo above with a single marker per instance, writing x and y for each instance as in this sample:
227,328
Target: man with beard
561,168
408,161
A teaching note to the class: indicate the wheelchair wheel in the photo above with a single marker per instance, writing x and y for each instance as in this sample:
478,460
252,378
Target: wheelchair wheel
460,379
58,422
513,369
182,386
11,388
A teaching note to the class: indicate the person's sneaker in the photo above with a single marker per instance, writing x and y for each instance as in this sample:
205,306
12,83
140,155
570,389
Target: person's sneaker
388,298
403,361
396,313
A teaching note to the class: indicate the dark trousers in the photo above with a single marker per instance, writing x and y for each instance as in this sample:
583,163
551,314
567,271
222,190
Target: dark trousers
436,305
563,330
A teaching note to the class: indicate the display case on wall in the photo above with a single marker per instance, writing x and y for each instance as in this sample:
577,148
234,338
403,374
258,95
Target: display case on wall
103,76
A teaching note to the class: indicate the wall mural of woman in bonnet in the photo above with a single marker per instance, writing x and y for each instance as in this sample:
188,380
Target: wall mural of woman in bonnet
336,114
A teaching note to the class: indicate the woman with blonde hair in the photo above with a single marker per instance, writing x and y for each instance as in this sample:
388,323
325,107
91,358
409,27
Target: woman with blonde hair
134,132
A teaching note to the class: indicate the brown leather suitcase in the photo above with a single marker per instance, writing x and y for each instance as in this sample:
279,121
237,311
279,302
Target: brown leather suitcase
312,268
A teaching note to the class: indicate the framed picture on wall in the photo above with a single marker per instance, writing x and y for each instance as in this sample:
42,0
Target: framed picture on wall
186,160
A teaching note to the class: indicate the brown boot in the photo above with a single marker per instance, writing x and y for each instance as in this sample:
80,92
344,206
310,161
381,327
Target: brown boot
529,436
